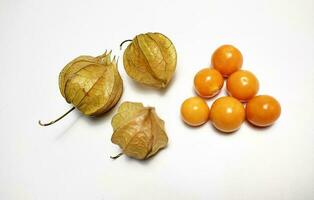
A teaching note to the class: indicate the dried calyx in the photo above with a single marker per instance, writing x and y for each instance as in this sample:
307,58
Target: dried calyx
91,84
138,131
150,59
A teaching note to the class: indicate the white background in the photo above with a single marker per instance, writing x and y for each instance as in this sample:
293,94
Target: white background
70,160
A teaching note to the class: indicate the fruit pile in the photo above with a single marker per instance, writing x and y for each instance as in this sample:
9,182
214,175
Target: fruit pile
229,112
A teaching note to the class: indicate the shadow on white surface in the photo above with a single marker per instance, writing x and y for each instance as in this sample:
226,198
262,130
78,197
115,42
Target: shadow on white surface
77,116
141,88
96,120
222,133
141,162
258,129
90,120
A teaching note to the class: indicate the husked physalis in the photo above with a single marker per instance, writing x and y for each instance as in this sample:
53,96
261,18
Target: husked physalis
150,59
242,85
263,110
91,84
227,114
194,111
227,59
208,82
138,131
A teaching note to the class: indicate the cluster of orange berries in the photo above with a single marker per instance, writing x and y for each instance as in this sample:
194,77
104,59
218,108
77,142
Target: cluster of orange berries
228,113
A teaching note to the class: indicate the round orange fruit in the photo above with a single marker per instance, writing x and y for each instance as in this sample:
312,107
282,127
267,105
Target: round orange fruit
242,85
227,114
263,110
195,111
227,59
208,82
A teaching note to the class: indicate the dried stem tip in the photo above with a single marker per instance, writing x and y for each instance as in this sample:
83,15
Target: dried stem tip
54,121
117,156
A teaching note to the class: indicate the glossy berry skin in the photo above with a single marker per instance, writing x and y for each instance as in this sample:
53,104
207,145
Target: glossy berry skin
208,82
263,110
194,111
227,59
242,85
227,114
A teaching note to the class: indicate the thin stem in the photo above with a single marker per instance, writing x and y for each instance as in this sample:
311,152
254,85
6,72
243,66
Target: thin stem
124,42
117,156
54,121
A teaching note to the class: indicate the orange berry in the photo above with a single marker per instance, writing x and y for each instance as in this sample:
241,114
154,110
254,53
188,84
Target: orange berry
227,59
227,114
242,85
194,111
263,110
208,82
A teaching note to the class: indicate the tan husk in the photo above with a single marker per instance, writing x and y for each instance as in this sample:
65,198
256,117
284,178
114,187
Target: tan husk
138,130
150,59
92,84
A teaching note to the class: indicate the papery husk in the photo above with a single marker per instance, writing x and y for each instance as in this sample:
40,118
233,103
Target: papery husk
138,130
92,84
150,59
